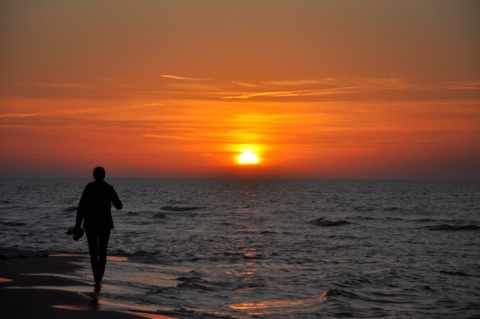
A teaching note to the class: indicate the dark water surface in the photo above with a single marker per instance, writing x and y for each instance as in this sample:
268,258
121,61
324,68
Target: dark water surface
270,249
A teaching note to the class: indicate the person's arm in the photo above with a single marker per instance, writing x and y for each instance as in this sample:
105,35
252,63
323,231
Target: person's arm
116,201
80,211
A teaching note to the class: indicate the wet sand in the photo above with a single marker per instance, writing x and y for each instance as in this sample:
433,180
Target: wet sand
36,285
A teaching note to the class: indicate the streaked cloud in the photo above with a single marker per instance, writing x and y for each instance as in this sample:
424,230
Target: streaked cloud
467,85
181,78
17,115
174,137
250,85
325,86
269,116
292,82
294,93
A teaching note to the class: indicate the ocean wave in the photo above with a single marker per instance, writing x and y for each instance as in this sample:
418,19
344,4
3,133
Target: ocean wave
12,224
425,220
392,209
180,208
364,218
449,227
194,281
363,209
337,292
153,214
268,232
456,273
70,209
322,222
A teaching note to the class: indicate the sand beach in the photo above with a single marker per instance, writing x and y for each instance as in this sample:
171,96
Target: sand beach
39,285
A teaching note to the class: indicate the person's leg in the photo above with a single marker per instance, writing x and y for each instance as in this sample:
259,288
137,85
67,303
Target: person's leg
93,240
102,253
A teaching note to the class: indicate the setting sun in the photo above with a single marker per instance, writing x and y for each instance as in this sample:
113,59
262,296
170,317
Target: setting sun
248,158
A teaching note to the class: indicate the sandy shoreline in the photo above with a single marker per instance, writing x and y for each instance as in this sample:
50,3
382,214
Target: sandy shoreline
36,285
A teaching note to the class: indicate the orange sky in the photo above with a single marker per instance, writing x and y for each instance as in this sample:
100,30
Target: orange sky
317,89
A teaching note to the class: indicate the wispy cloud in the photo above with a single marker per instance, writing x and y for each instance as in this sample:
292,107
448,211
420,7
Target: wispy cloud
469,85
379,82
174,137
268,116
318,87
292,83
292,93
321,88
244,84
18,115
181,78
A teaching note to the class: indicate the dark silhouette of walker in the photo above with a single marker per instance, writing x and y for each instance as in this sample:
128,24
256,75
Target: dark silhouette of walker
95,210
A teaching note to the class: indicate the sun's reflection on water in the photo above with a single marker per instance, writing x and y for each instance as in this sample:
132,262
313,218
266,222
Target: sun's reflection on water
273,306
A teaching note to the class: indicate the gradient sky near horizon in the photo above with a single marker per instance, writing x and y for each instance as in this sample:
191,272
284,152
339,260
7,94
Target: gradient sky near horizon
317,89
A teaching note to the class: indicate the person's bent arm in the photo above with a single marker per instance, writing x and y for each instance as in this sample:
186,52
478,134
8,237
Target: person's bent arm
116,201
80,212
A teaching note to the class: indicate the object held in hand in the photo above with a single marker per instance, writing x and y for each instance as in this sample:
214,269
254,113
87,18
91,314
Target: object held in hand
76,232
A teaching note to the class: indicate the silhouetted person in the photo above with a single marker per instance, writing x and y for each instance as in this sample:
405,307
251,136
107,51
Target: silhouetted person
95,210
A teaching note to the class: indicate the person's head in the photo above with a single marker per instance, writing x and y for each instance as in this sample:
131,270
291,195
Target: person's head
99,173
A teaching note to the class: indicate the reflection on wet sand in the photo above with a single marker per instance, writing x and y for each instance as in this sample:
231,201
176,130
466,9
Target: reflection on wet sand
148,315
70,307
109,258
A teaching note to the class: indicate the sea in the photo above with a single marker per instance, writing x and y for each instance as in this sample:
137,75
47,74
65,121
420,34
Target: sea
220,248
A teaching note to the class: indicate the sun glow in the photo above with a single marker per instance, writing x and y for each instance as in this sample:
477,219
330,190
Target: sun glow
248,158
